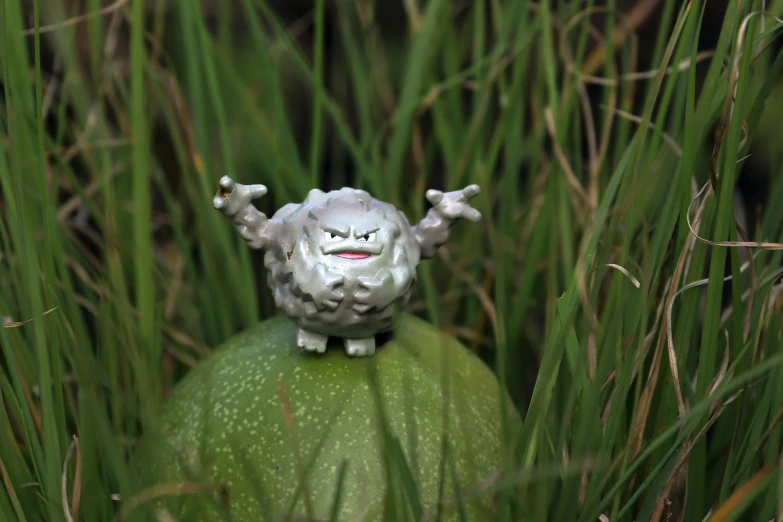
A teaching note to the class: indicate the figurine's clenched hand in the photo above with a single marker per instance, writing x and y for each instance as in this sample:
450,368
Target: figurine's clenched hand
234,197
455,205
434,230
234,201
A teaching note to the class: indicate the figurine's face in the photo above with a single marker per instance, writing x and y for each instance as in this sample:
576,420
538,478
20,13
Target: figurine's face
353,237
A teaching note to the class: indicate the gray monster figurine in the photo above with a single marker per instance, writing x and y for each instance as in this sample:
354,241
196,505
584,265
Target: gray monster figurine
342,263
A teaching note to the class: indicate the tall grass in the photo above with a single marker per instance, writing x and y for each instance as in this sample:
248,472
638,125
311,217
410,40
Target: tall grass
635,324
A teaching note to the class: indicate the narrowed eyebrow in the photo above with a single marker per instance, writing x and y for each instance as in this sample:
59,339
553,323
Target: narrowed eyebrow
342,232
366,232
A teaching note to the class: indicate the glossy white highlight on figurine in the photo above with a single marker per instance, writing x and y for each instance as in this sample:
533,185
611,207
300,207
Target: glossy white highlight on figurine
342,263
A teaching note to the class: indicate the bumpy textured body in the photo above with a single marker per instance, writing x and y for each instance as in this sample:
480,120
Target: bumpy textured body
342,263
332,295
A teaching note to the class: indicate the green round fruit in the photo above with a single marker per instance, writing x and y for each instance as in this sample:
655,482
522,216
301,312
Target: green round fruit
226,424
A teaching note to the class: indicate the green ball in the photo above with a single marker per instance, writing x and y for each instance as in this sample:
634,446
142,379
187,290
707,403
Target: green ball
260,413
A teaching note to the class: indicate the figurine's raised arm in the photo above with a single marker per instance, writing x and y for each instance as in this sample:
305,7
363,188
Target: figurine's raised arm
434,230
234,201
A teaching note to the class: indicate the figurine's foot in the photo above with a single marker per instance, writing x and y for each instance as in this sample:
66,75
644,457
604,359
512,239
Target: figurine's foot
360,347
312,342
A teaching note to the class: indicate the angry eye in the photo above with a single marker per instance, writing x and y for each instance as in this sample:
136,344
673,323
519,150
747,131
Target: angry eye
368,238
330,237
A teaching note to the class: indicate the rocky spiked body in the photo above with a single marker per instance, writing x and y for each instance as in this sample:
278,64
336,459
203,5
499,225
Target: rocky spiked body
342,263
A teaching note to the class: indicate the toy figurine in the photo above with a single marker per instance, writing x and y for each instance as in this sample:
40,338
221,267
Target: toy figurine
342,263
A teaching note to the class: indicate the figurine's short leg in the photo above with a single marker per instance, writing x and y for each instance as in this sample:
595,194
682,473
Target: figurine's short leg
360,347
310,341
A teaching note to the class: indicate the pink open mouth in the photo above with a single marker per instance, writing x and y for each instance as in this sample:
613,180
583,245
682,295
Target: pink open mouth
353,255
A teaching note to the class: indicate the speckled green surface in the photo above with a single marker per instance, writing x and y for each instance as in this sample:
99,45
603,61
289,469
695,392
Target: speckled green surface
226,421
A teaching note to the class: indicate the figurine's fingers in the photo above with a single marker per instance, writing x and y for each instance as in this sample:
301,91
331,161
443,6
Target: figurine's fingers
434,196
332,279
471,191
471,214
361,308
227,183
257,191
219,202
